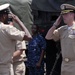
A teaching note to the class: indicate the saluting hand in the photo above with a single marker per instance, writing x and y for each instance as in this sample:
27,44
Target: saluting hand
58,20
15,18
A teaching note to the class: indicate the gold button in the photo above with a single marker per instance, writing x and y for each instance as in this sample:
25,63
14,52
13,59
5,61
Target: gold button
66,59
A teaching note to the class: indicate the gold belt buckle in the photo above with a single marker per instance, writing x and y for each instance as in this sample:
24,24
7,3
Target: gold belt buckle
66,59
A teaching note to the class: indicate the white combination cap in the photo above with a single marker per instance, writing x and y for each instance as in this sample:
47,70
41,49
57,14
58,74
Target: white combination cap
4,6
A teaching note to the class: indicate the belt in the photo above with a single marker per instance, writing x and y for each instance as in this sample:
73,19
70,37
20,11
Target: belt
68,59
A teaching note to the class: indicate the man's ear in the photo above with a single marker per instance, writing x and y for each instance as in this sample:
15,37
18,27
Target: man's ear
4,16
74,16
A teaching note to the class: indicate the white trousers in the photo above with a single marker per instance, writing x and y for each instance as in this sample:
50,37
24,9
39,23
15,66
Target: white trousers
19,68
5,69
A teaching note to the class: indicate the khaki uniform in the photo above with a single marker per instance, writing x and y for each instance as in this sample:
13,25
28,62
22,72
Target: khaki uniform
67,38
8,37
18,64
